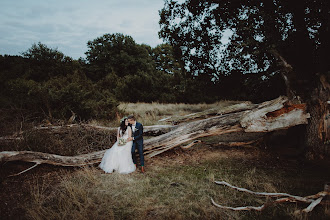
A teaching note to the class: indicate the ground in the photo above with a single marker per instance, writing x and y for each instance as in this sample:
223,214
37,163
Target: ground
248,166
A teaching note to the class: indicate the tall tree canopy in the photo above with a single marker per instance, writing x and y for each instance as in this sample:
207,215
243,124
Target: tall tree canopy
278,37
118,53
45,63
261,30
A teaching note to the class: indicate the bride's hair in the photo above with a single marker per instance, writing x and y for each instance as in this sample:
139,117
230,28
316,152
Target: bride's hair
123,127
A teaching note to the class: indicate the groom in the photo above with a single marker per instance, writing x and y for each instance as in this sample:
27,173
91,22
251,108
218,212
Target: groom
137,138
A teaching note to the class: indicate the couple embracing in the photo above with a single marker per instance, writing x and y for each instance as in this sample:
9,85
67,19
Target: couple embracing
121,156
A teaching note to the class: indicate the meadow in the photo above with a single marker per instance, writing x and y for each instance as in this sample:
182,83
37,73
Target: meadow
178,184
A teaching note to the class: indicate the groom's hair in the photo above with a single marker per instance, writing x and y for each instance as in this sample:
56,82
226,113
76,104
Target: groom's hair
131,117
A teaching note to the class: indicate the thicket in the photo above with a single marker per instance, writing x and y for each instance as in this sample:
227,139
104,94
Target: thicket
44,82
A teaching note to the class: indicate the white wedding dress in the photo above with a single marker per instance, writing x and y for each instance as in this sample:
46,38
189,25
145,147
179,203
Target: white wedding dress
118,158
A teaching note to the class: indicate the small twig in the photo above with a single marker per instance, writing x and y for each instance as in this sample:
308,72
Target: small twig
24,170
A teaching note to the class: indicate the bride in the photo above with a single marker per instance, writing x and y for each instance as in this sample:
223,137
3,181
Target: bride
119,158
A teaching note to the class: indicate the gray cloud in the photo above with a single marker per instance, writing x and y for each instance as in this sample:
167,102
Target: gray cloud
69,25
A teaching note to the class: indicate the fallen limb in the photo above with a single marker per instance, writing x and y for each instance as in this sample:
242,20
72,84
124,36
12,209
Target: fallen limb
25,170
153,130
313,204
53,159
258,208
298,198
317,198
242,126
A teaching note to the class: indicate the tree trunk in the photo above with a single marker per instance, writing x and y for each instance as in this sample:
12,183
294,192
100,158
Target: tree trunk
317,140
242,126
316,94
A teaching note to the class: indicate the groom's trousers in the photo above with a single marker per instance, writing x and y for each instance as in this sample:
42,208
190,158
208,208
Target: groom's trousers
139,146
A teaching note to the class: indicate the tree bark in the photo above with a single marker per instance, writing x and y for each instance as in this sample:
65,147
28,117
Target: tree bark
317,142
241,126
315,92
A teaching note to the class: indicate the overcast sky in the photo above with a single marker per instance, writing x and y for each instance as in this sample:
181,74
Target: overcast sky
69,24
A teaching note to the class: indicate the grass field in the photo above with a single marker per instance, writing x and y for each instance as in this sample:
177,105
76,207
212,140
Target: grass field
178,184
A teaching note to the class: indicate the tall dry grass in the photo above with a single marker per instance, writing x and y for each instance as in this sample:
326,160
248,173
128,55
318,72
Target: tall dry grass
167,192
151,113
63,141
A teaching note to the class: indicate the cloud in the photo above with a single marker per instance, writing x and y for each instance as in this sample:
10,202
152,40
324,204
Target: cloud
69,25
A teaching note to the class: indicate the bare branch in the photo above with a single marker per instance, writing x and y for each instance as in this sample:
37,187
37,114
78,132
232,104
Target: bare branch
259,208
312,205
25,170
297,198
287,198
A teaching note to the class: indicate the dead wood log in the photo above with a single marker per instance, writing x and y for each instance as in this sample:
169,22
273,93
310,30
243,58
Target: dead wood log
53,159
153,130
252,123
314,200
218,110
255,120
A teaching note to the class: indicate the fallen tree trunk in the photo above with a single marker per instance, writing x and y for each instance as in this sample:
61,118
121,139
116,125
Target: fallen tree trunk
53,159
266,117
242,126
153,130
219,110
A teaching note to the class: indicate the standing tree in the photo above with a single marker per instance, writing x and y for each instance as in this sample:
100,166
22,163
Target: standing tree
116,53
45,63
173,69
126,69
278,37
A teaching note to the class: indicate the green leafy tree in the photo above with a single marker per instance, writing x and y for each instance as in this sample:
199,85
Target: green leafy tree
45,63
48,84
275,37
75,93
173,72
131,71
116,53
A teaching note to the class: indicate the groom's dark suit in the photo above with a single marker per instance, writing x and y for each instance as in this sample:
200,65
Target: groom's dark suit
138,143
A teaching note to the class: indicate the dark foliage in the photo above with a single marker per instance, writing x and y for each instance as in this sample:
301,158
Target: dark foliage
298,31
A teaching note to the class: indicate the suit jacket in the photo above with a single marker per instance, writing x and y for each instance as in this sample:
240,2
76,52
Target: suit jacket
138,133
